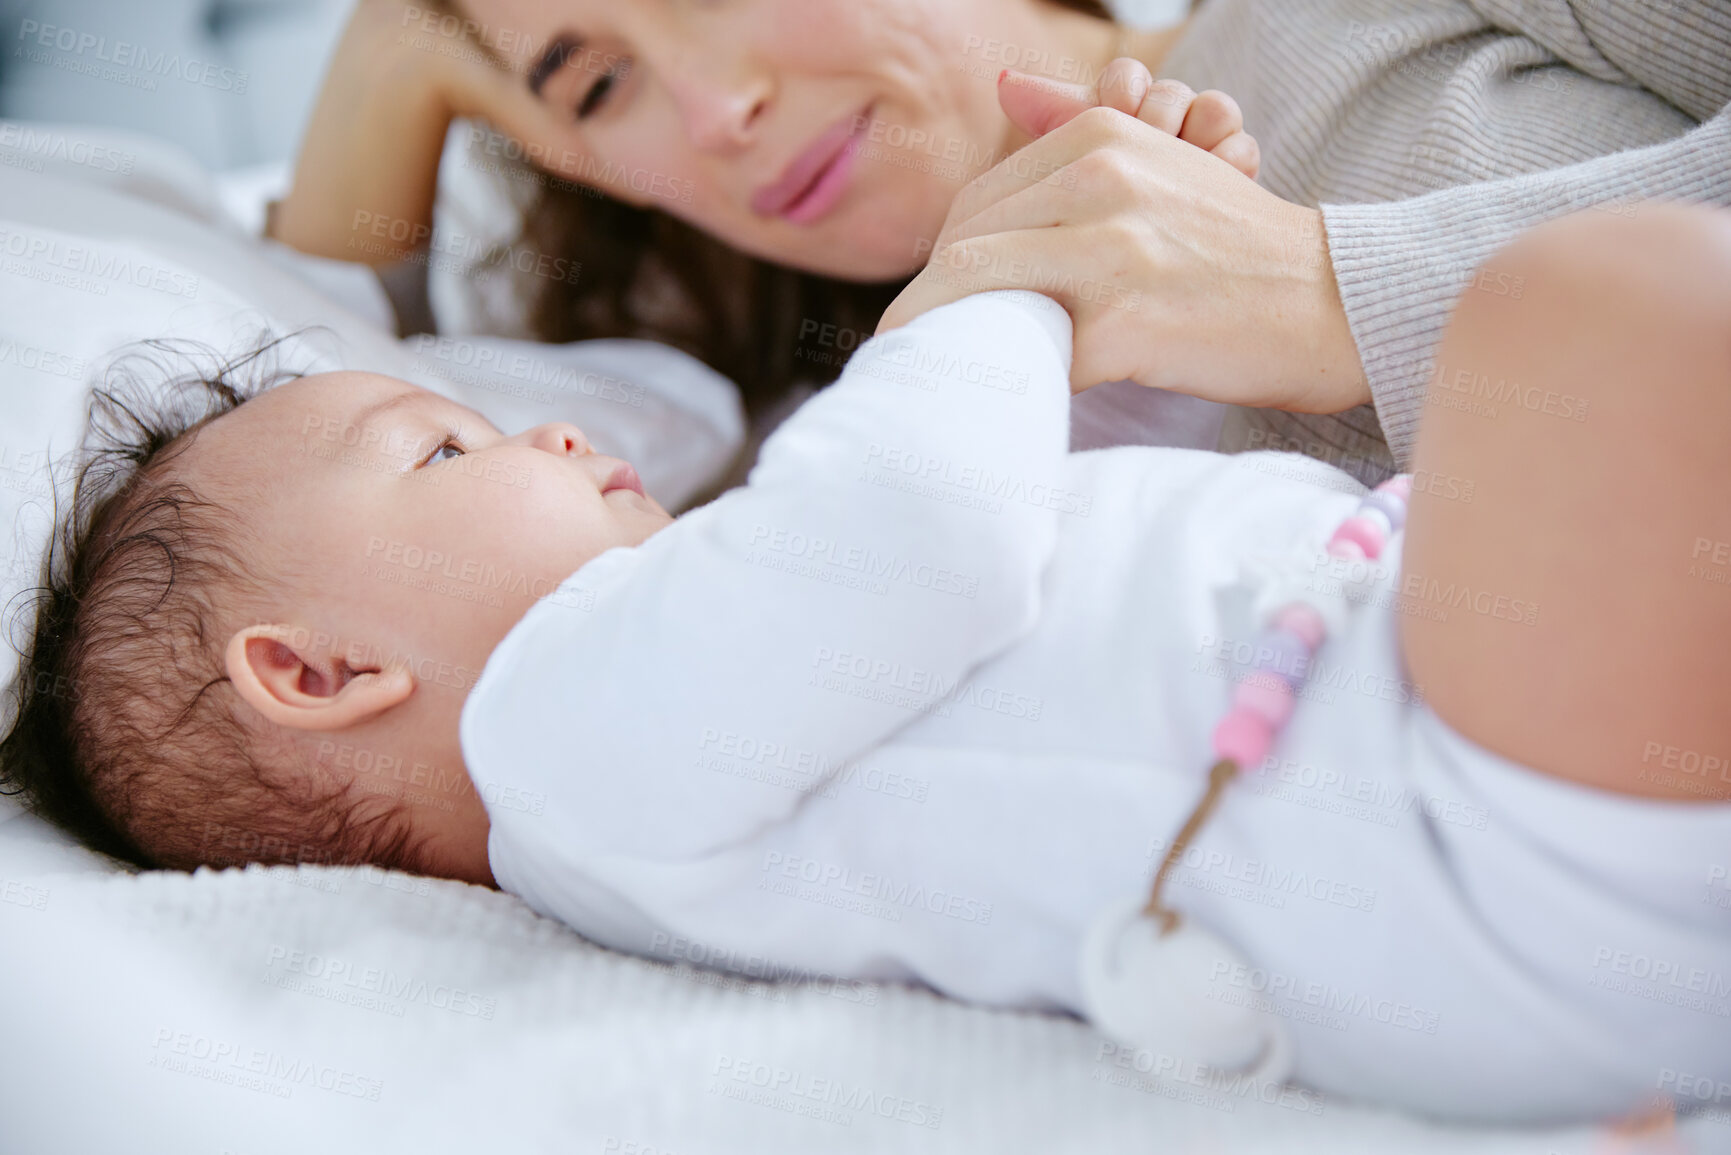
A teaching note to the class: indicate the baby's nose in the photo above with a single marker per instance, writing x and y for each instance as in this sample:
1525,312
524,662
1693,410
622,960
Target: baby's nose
560,437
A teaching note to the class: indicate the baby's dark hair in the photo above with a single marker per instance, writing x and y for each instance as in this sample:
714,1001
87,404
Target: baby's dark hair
126,731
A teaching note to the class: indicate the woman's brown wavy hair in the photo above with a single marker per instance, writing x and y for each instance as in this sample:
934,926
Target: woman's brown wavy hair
743,316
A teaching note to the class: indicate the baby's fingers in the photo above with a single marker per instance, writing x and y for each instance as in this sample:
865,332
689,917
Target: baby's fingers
1212,121
1211,118
1241,151
1124,85
1166,105
1215,124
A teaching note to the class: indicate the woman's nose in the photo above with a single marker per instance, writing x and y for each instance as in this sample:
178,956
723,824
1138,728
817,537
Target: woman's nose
560,438
720,100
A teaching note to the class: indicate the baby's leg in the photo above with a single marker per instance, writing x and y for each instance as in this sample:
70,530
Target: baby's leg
1615,525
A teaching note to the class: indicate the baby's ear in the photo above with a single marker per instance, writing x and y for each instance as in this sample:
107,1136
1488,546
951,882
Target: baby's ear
295,678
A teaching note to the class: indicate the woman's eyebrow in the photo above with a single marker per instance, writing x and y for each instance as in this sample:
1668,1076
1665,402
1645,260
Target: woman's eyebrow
558,52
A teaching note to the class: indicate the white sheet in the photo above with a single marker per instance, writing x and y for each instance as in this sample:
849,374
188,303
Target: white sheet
152,1002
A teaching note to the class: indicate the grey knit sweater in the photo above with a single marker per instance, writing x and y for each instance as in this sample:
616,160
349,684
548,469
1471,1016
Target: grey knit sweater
1431,132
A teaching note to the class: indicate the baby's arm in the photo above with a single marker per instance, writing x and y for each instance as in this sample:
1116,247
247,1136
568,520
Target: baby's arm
678,697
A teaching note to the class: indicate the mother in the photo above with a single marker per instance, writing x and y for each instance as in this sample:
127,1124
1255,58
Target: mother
1515,111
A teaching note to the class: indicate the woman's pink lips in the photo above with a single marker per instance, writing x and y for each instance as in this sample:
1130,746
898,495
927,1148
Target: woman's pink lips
831,183
624,477
817,166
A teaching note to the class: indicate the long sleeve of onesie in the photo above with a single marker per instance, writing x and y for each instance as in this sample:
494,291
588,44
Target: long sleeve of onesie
794,622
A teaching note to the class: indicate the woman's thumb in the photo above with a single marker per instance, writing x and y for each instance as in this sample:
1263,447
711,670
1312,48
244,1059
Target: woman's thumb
1037,105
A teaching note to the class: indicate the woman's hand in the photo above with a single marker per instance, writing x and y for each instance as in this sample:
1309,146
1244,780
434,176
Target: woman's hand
368,168
1178,271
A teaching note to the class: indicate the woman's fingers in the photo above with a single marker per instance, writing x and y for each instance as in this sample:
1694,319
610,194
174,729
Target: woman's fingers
1043,164
1038,207
961,269
1039,107
1063,264
497,95
1057,263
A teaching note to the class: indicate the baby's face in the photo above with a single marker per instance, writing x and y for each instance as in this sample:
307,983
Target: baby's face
395,501
398,528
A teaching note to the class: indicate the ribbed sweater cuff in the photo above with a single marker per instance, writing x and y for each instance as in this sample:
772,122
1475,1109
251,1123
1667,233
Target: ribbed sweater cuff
1402,265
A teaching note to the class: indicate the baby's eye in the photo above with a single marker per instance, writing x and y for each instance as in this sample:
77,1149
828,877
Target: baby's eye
437,455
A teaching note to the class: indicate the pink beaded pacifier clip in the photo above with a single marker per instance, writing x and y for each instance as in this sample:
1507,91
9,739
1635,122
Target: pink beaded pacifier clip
1146,971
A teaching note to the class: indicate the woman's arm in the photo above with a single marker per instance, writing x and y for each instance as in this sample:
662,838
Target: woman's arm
369,162
372,145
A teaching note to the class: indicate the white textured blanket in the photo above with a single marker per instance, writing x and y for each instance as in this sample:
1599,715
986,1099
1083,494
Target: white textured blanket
332,1010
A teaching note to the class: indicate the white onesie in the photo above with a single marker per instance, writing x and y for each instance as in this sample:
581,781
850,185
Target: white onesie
930,692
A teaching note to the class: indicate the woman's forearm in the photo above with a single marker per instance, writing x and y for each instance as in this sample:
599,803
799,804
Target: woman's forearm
368,168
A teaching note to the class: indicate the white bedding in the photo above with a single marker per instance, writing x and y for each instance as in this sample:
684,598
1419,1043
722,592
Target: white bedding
322,1010
328,1010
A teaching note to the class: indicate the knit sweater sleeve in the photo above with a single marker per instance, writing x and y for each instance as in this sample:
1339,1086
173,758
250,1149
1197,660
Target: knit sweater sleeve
1402,265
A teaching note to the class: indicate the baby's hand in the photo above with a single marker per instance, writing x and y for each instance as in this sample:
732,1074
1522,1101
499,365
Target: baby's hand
1211,120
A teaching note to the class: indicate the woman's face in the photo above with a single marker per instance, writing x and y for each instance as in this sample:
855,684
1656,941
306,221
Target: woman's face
828,135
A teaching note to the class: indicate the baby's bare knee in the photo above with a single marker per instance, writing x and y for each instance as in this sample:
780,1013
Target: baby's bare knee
1645,269
1627,312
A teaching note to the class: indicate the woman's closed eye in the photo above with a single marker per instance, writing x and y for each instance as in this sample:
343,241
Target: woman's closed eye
563,74
616,70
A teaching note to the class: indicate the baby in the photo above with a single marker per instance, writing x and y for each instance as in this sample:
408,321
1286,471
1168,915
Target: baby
918,701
